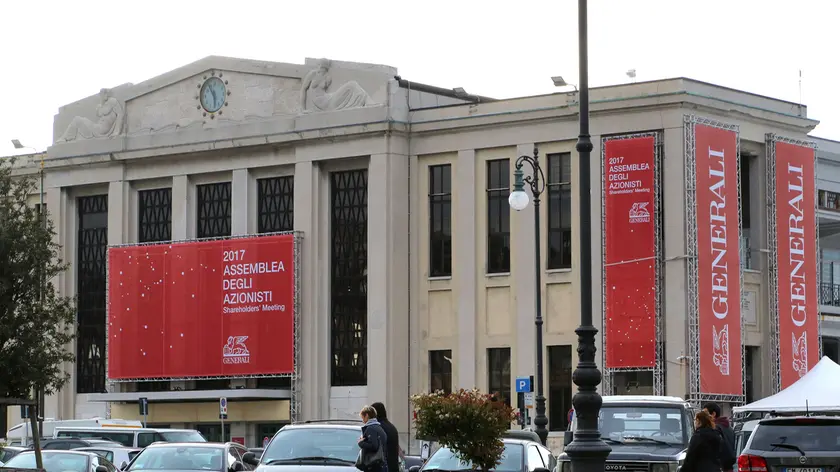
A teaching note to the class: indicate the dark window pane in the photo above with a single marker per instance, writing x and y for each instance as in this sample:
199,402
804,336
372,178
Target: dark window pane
274,382
275,201
498,216
157,386
808,434
91,254
559,386
213,210
212,384
155,215
348,284
440,371
440,221
559,190
498,372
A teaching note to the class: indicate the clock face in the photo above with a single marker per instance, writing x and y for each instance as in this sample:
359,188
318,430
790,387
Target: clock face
213,94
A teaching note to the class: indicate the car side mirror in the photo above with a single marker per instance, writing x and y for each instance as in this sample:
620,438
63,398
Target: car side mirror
414,468
101,468
124,465
250,458
237,467
568,437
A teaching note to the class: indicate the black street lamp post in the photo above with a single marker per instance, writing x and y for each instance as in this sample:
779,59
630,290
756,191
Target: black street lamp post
519,200
587,451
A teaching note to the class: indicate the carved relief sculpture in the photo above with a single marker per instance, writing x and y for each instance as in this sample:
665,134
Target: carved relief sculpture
314,96
110,116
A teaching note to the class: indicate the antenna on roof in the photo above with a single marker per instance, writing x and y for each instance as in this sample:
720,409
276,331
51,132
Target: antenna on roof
807,413
800,92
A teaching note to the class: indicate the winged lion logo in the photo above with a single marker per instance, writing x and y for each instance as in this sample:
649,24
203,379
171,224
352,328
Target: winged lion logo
800,353
721,349
236,347
639,213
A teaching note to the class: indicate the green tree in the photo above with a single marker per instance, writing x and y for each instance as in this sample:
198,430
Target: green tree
470,423
36,325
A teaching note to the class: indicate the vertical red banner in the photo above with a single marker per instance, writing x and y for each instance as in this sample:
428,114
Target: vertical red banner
796,226
718,260
630,252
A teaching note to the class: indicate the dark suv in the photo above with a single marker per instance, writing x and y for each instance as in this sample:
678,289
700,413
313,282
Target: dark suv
646,433
793,444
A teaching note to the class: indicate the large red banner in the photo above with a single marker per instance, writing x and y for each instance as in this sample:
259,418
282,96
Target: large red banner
718,260
796,226
630,252
196,309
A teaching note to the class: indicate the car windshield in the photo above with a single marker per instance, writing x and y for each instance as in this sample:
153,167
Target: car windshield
182,436
445,459
796,436
54,461
179,458
626,423
295,443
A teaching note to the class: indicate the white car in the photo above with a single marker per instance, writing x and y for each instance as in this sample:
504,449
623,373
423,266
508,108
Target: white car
119,456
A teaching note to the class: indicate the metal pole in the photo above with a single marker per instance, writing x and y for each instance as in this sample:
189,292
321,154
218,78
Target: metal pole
39,392
540,420
587,451
223,428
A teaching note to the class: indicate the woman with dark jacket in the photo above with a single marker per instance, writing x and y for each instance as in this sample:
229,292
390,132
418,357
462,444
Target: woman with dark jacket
373,443
702,454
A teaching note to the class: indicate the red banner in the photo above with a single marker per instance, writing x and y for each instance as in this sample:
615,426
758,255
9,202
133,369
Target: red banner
796,226
210,308
630,252
718,260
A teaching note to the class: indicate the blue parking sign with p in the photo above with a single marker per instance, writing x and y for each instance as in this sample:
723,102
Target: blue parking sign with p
523,384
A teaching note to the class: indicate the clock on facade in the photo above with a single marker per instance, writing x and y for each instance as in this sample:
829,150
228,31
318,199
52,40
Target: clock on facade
212,94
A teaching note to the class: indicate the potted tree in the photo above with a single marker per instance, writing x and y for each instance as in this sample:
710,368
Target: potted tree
468,422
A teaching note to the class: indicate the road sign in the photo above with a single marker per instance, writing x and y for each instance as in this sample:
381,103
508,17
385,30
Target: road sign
223,406
523,384
144,406
529,399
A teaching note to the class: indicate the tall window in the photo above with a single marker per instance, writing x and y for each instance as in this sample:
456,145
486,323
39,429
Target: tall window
498,372
559,386
91,255
498,216
348,280
213,210
155,215
746,249
559,189
440,220
440,370
275,204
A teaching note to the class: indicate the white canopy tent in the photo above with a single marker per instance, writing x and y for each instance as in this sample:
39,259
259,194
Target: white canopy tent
816,391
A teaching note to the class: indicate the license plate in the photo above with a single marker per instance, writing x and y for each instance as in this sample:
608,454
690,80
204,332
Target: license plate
804,469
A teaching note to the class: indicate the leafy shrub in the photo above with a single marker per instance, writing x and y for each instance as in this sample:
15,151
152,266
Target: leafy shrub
468,422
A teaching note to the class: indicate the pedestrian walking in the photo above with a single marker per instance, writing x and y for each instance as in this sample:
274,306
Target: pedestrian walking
373,443
395,452
702,453
726,455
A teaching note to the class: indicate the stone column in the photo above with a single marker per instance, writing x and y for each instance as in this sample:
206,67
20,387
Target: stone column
180,207
676,296
239,202
524,280
314,366
387,363
60,405
466,268
118,212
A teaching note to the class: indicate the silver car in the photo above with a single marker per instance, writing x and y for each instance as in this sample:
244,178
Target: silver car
793,444
119,456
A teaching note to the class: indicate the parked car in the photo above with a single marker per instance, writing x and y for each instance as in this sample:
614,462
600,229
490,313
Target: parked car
258,451
66,444
62,461
132,437
332,444
794,444
743,431
411,461
205,456
520,455
118,455
7,452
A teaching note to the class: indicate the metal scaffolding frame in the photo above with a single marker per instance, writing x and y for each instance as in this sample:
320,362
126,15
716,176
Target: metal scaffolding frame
695,395
773,261
658,368
294,403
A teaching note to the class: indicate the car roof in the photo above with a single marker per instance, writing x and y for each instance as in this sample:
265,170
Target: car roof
804,419
106,448
327,424
209,445
652,399
57,451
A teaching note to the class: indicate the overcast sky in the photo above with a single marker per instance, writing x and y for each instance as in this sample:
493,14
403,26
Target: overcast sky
56,52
